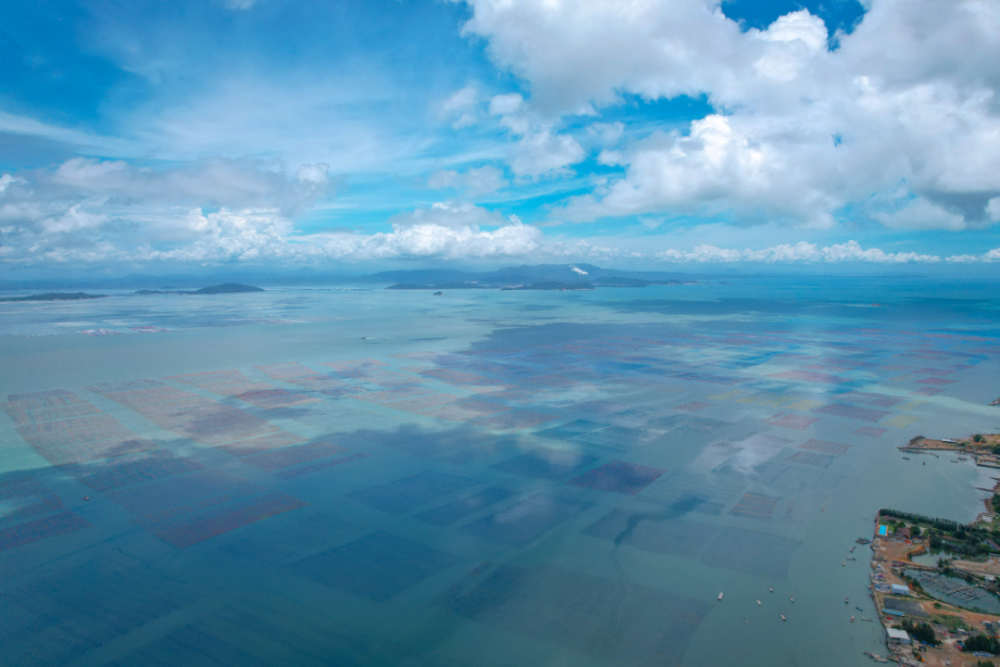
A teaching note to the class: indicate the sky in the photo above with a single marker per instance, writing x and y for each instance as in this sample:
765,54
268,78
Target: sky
655,134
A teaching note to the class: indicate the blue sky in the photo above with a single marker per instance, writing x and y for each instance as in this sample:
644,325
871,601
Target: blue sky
283,133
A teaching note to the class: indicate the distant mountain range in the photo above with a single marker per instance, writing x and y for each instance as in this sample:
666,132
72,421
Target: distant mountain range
227,288
517,276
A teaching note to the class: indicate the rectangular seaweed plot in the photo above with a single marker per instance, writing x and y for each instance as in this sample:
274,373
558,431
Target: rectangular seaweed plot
571,430
618,477
377,567
356,367
870,431
658,533
795,480
25,497
523,523
425,443
503,446
40,529
195,528
752,552
514,421
296,534
291,369
465,410
755,506
546,463
202,420
810,376
610,620
827,447
621,438
686,492
420,403
261,444
275,398
452,512
402,495
243,634
22,416
798,422
290,456
131,469
811,459
56,619
163,494
388,396
316,466
70,454
852,412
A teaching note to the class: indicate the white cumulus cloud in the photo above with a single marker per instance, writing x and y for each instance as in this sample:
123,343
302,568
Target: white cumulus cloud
473,182
801,131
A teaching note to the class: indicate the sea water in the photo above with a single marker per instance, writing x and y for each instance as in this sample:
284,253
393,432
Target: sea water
509,478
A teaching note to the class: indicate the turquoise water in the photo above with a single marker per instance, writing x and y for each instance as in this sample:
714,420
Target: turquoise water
512,478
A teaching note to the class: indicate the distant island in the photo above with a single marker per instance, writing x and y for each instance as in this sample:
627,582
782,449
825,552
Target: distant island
228,288
55,296
552,285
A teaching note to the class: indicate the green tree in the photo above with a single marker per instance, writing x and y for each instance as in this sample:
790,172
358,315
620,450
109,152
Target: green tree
982,643
922,632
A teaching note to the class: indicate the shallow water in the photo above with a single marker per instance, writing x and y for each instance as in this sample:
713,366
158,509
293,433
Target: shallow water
513,478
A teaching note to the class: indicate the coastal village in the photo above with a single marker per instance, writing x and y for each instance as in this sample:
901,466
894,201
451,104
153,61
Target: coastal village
934,581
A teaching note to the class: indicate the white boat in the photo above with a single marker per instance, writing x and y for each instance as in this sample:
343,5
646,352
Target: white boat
720,596
792,599
782,617
758,603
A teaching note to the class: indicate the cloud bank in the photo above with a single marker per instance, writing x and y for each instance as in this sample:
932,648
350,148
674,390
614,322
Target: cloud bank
899,118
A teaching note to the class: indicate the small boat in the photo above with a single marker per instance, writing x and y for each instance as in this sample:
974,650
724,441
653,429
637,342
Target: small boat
746,621
852,619
906,458
847,600
86,497
720,596
852,549
791,598
770,589
758,603
843,564
782,617
859,608
866,619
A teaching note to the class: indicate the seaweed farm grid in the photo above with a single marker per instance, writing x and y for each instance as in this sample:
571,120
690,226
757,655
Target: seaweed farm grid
580,497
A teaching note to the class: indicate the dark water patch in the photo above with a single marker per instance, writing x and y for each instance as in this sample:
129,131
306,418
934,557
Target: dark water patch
523,523
546,463
58,617
656,532
295,534
378,566
685,492
752,552
611,620
407,493
452,512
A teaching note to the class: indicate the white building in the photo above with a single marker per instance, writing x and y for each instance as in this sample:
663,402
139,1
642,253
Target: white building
897,637
900,589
